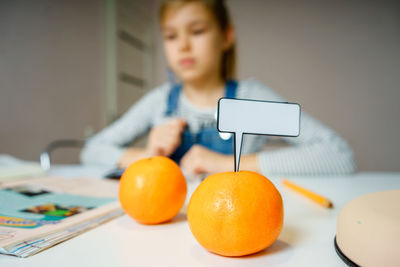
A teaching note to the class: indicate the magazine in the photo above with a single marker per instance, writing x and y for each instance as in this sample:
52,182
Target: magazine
38,213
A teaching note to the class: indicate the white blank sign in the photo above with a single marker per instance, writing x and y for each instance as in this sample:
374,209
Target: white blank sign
242,116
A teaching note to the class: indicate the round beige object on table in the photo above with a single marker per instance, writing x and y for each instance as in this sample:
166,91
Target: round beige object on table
368,230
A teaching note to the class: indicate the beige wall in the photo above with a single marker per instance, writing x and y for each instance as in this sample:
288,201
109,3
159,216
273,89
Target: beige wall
51,72
339,59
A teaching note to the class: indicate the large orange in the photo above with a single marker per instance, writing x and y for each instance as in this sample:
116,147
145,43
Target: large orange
235,213
152,190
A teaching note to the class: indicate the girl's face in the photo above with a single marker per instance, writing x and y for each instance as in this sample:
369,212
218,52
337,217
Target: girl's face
193,42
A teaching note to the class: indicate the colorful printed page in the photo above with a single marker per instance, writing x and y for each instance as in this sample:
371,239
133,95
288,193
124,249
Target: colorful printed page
32,209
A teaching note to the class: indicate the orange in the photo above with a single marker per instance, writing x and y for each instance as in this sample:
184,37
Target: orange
152,190
235,213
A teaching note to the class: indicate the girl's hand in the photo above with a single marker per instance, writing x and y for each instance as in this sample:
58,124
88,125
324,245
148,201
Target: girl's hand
131,155
200,160
165,138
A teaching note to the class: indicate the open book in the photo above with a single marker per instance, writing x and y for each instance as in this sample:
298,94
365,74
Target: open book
38,213
12,168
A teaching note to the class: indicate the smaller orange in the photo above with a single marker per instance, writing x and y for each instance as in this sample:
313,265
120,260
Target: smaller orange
152,190
235,213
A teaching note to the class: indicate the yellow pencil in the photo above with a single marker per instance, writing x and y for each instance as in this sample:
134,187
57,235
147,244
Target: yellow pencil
321,200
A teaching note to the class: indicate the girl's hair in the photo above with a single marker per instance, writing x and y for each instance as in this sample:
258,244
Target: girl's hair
221,14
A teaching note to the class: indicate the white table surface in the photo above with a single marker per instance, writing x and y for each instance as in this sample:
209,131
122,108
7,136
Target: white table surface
306,239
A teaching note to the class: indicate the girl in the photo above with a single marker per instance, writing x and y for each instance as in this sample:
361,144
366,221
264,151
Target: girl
199,45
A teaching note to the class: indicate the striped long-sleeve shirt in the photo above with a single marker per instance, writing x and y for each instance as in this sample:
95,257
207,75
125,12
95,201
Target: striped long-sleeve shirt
318,150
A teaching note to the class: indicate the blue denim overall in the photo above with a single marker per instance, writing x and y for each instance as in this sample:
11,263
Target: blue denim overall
207,137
